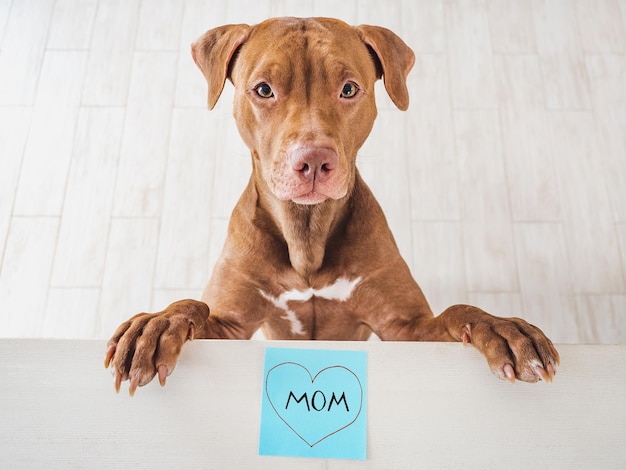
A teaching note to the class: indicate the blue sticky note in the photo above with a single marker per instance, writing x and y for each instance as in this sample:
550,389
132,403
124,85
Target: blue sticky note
314,403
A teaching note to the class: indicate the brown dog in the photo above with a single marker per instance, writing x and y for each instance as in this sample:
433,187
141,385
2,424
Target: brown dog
309,254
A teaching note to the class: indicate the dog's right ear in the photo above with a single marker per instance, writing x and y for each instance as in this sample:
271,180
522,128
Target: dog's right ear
213,51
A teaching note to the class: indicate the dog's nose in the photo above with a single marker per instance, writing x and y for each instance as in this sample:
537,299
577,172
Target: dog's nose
313,163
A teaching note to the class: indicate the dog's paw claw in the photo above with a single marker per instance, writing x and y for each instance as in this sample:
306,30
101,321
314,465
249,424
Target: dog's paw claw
505,372
508,373
109,355
135,381
163,373
466,335
543,372
117,381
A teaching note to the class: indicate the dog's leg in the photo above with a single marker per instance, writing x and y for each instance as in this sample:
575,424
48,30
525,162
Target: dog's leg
150,343
513,347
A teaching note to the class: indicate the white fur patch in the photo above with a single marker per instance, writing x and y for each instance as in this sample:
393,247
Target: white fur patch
340,290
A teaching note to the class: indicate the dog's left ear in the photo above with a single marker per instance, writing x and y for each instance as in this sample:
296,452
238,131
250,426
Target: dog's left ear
213,51
396,59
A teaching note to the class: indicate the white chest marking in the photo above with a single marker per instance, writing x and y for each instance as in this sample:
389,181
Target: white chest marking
340,290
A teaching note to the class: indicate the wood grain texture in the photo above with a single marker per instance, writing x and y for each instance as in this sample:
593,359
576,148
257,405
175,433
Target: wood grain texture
512,154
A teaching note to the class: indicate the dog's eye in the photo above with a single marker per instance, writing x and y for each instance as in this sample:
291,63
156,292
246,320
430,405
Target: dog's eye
264,90
349,90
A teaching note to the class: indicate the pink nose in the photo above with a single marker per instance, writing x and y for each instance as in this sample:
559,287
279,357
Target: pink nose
313,163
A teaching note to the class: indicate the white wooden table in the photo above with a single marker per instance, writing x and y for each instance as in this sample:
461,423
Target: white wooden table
429,406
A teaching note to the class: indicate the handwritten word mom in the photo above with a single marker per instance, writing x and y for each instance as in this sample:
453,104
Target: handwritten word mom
318,400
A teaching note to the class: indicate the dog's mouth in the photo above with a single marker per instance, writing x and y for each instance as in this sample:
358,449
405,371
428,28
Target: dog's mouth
311,193
310,198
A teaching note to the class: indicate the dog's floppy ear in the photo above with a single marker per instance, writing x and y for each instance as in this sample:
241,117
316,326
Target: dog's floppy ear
396,60
213,52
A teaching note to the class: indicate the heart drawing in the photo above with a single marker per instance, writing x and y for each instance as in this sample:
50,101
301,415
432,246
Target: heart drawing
314,407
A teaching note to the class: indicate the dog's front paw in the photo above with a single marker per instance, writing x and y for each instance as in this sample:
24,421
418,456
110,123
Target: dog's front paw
149,344
514,348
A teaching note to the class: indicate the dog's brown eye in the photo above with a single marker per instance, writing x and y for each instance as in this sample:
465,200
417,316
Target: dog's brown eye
264,90
349,90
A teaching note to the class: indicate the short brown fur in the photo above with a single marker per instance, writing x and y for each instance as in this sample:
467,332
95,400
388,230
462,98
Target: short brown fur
307,220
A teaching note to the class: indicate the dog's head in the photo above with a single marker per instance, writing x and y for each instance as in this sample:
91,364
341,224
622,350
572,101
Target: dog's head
304,99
